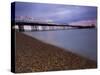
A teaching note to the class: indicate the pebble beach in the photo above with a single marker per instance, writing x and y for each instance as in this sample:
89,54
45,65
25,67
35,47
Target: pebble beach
33,55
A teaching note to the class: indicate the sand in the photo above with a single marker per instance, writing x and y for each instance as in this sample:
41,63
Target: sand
33,55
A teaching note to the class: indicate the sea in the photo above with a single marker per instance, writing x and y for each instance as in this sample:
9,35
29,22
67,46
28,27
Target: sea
79,41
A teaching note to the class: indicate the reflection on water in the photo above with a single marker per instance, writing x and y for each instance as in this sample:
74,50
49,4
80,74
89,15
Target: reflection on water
80,41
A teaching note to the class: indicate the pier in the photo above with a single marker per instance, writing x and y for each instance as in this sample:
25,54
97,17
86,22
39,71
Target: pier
32,26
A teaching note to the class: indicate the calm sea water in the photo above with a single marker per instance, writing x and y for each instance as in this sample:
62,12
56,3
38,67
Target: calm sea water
79,41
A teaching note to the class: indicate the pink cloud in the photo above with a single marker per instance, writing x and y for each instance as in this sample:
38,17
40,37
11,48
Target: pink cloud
85,22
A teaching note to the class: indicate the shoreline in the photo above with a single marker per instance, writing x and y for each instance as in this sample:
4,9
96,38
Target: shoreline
33,55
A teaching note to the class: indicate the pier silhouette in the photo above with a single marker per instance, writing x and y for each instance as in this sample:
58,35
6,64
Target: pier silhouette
36,26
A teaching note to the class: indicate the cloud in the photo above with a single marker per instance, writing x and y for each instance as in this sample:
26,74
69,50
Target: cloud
55,13
85,22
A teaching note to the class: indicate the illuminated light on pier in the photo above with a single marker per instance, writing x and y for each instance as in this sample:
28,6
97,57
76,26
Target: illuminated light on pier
16,27
39,28
27,27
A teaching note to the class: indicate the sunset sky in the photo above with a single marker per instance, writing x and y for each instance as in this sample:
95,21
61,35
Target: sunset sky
57,13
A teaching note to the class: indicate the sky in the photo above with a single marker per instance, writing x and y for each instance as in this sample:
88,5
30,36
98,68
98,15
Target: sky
56,13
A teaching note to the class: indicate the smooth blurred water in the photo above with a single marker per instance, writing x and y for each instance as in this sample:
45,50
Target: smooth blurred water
79,41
